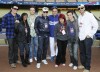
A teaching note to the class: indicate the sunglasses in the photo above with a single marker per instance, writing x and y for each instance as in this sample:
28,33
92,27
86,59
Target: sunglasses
15,9
80,8
45,12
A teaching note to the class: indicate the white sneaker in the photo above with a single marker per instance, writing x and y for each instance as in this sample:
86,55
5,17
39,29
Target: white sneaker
35,58
13,65
63,64
56,65
44,61
81,67
75,68
38,65
71,65
85,70
31,60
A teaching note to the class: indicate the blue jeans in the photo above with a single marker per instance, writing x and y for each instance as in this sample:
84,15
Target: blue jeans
33,47
85,52
73,49
24,48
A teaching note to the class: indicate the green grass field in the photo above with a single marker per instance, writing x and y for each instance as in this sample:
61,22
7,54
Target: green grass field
3,42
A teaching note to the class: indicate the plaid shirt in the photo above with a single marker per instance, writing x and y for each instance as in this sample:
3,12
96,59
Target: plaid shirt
8,22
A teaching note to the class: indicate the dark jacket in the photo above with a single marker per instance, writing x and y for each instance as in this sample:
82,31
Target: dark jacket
42,26
58,34
21,35
76,30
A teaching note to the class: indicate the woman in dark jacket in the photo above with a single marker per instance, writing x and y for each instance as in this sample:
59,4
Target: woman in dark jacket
23,37
60,34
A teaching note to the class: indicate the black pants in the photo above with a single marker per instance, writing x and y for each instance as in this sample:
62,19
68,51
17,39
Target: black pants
13,50
61,56
43,42
85,52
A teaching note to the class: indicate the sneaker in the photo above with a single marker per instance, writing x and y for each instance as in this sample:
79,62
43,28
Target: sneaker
35,58
63,64
38,65
13,65
85,70
44,61
75,68
31,60
52,58
56,65
71,65
80,67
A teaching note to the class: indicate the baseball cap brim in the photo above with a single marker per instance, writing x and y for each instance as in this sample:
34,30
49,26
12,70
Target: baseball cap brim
81,5
44,9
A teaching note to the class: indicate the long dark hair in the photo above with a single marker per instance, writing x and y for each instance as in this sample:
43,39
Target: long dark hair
21,19
63,17
23,14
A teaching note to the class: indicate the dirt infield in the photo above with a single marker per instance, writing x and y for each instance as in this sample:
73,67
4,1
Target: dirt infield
4,66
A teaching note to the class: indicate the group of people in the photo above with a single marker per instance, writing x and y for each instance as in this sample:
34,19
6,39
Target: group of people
34,34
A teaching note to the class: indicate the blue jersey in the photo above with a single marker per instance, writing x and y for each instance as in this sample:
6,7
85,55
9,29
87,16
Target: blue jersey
53,20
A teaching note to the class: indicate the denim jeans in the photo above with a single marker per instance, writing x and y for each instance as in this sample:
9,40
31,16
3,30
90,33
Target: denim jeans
13,50
73,49
33,47
85,52
43,42
24,48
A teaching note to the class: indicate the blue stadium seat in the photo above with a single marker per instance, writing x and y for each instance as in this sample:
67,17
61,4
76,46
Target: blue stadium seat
0,28
0,24
29,0
6,0
97,35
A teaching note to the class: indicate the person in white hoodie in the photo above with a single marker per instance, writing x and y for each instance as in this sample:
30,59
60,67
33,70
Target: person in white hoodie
88,26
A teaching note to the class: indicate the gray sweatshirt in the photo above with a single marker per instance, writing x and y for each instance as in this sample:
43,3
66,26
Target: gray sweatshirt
58,32
75,23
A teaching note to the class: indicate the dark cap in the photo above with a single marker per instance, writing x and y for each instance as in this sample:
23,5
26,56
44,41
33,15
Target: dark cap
54,7
14,4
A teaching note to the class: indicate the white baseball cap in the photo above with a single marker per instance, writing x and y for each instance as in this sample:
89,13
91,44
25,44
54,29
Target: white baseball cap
45,9
81,5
